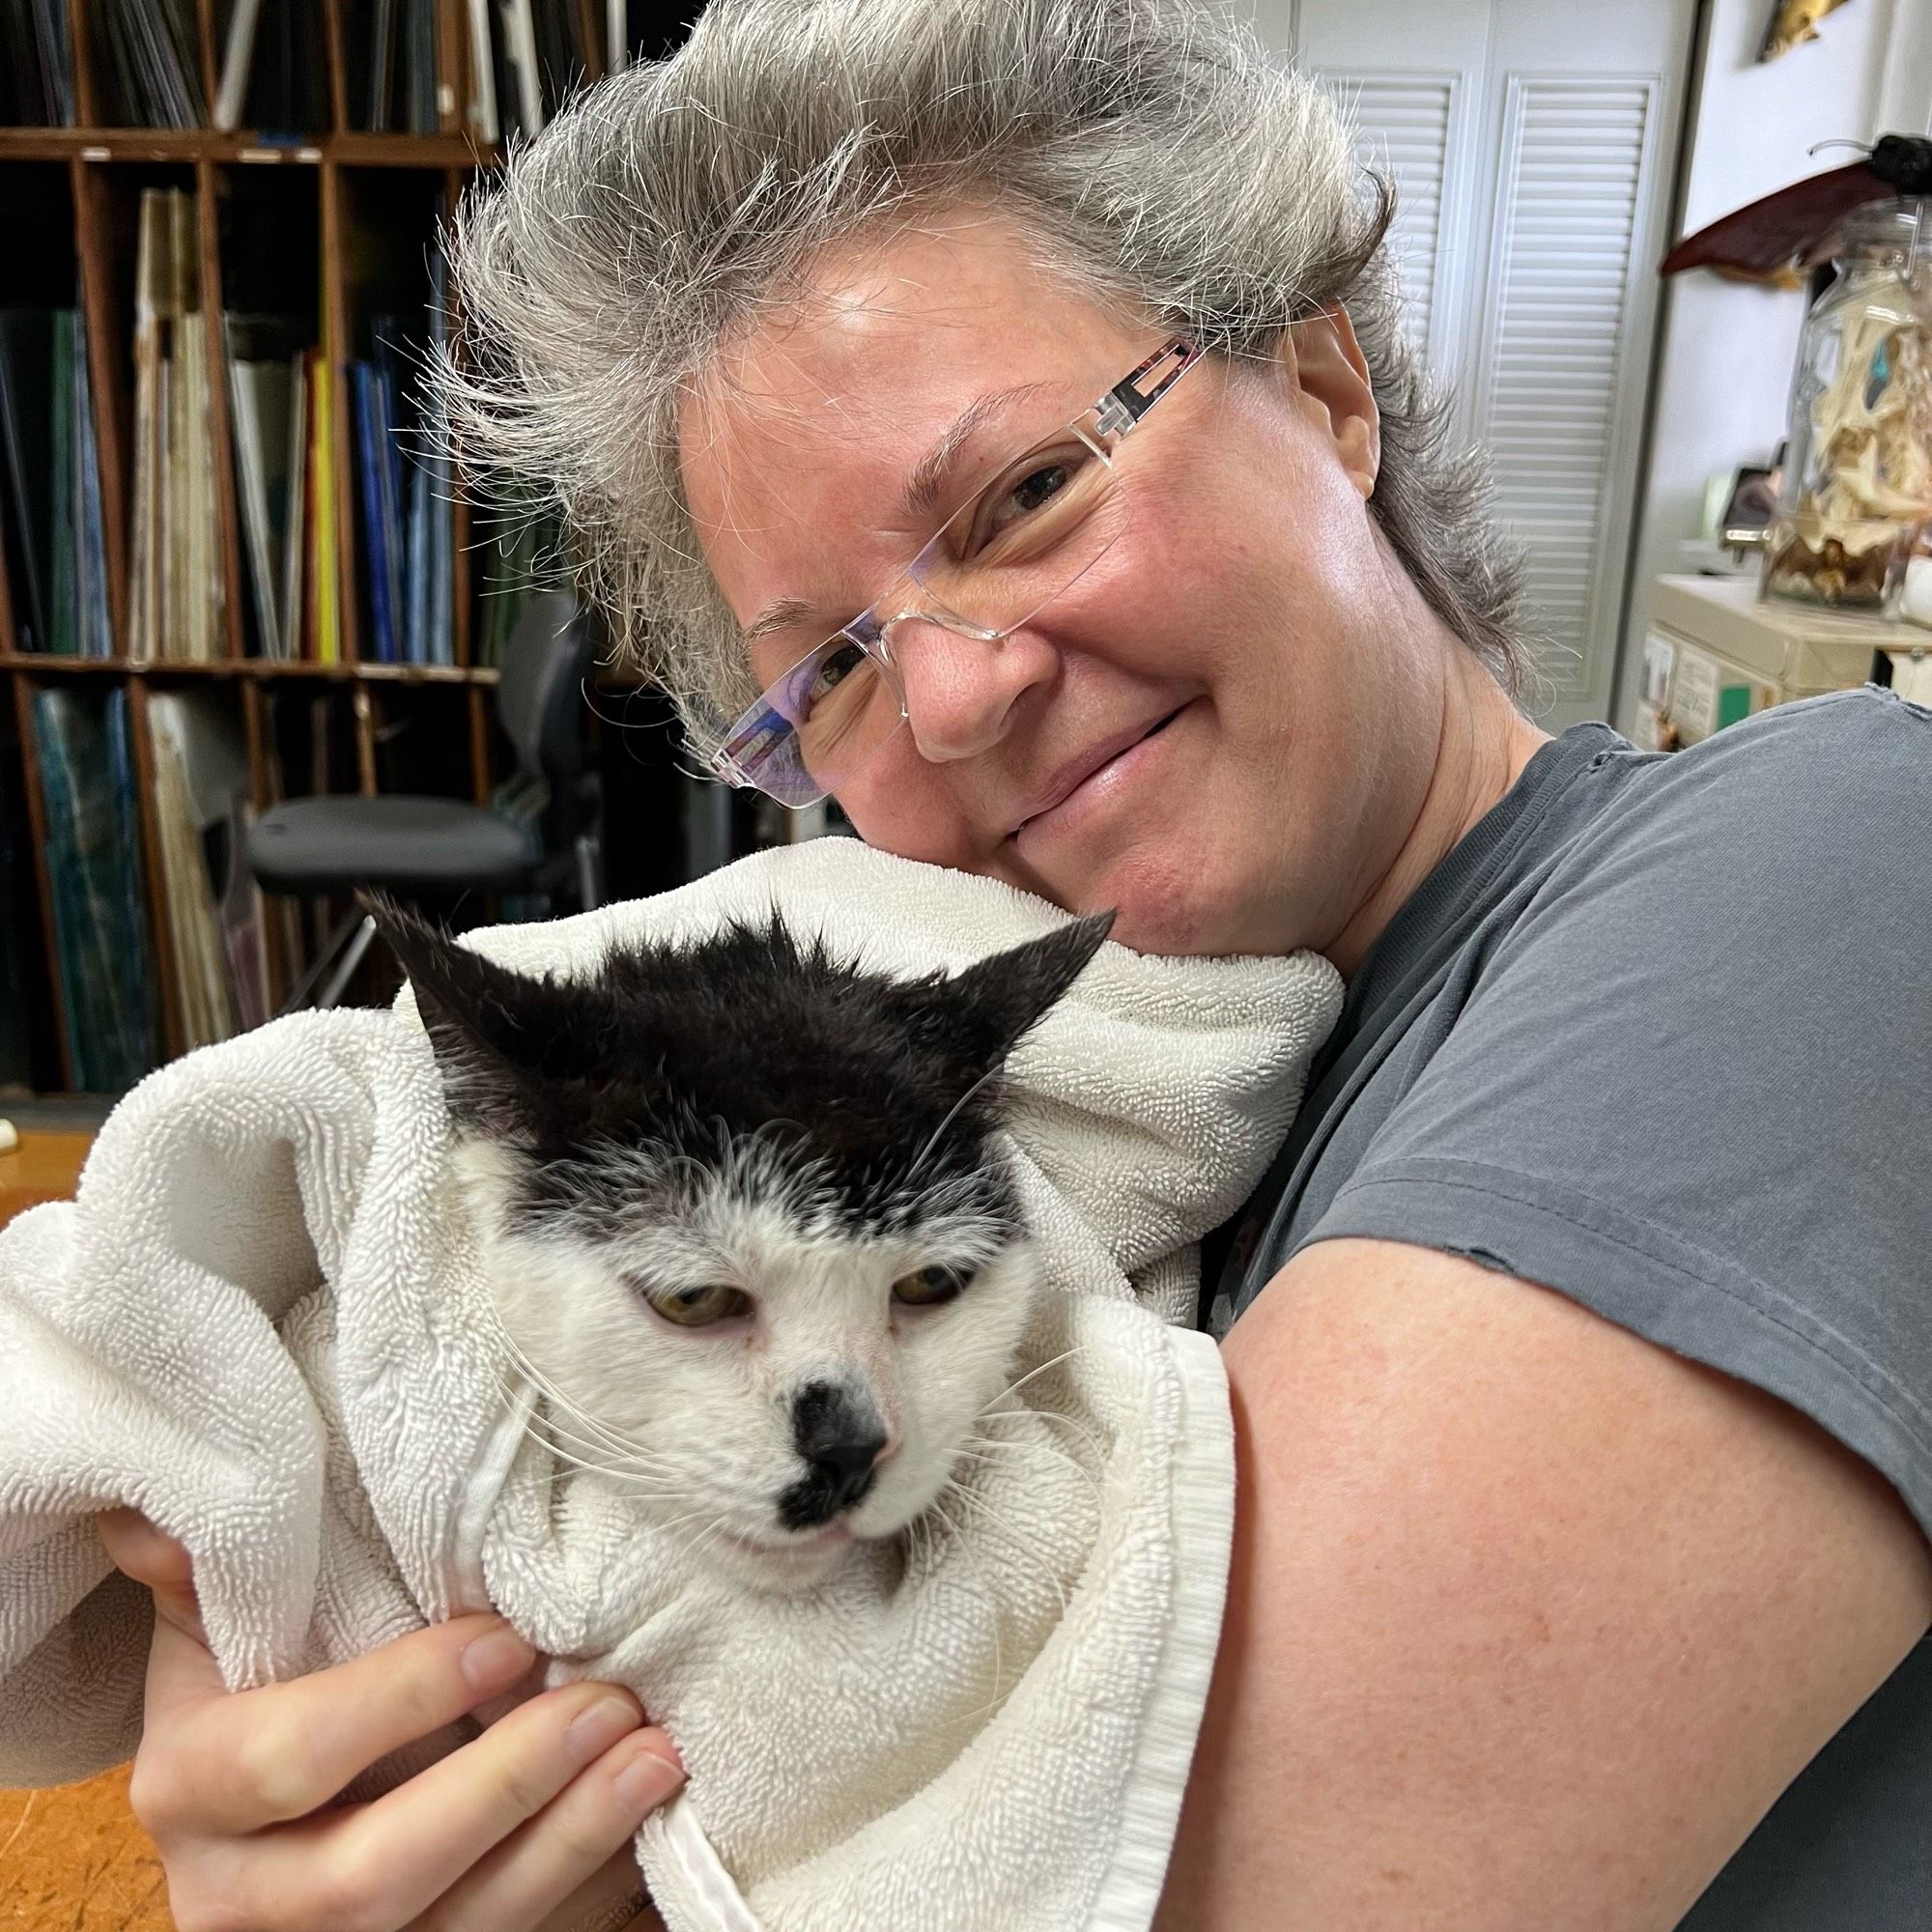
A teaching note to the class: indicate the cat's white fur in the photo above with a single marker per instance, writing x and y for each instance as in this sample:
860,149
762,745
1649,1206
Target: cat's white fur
697,1422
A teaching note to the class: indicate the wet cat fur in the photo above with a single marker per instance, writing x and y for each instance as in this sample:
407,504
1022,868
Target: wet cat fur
746,1222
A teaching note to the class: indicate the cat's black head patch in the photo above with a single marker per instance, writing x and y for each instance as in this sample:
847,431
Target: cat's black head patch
871,1081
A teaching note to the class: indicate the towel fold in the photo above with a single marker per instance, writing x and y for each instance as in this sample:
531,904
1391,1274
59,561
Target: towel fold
264,1323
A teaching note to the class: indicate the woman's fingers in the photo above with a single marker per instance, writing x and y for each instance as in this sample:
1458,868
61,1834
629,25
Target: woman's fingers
134,1545
524,1828
570,1868
215,1764
398,1860
181,1672
232,1764
613,1901
426,1835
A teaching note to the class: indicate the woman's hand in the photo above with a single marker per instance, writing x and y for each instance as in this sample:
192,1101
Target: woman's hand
526,1829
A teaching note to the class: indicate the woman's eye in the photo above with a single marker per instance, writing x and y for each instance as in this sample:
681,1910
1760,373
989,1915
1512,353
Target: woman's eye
810,682
1020,500
1044,482
928,1287
835,669
1036,487
699,1307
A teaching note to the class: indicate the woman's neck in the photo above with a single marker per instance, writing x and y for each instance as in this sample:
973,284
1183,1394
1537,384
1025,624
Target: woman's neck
1482,746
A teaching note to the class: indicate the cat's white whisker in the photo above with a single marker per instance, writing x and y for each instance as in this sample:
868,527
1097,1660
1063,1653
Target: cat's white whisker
1083,1428
1052,1362
709,1507
933,1508
633,1455
1000,1688
953,1114
595,1432
621,1481
996,1453
610,1459
714,1528
543,1426
625,1479
1084,1431
1011,1537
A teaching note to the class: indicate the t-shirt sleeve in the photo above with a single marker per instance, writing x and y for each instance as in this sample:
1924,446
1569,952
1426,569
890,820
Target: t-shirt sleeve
1691,1089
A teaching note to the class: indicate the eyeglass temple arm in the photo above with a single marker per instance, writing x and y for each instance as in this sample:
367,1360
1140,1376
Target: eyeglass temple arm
1136,393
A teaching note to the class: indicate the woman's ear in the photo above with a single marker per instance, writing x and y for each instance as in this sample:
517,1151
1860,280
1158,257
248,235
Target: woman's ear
1325,362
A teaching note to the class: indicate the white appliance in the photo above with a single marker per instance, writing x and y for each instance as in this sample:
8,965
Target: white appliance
1714,654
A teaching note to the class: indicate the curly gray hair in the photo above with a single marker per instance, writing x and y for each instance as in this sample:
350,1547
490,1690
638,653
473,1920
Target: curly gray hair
1159,155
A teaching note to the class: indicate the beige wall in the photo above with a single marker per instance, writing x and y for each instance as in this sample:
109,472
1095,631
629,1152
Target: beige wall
1726,349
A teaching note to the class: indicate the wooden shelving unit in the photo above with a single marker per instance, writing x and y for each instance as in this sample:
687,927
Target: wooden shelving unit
45,664
330,181
351,149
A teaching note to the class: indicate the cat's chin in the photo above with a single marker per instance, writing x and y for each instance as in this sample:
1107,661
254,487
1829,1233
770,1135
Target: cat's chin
784,1567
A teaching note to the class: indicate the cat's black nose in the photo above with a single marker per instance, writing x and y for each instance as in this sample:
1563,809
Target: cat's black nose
846,1467
839,1434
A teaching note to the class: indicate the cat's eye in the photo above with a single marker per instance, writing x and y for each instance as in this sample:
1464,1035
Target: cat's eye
699,1307
928,1287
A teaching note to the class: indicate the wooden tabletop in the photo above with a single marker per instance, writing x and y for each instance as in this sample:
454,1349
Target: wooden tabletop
44,1167
73,1859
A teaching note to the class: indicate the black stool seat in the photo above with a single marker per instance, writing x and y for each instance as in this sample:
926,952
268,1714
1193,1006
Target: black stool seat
439,848
398,842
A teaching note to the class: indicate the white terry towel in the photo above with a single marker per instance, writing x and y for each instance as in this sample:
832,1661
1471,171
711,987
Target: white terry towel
264,1323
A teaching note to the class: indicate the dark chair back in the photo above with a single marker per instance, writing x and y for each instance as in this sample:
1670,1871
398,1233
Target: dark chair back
540,700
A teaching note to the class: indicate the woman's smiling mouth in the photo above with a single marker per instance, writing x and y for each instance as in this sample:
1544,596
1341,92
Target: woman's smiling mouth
1089,783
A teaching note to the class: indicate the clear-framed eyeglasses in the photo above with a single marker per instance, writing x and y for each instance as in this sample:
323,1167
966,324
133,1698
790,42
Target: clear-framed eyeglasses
1034,528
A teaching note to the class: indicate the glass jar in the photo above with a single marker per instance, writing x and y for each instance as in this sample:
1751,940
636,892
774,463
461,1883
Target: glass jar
1858,468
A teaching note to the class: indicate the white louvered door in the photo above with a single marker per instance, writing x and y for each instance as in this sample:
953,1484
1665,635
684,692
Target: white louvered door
1532,144
1559,372
1408,122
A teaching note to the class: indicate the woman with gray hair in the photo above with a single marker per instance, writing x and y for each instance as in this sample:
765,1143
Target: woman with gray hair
1583,1405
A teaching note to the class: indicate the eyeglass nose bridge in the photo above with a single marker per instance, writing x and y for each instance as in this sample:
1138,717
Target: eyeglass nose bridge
934,612
880,647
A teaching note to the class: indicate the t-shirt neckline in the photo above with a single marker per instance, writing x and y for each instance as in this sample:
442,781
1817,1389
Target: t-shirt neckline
1449,892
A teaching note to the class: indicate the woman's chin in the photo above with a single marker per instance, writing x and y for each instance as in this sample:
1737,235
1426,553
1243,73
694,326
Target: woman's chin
1163,906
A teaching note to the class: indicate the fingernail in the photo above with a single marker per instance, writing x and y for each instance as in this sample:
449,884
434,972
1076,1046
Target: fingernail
496,1659
647,1781
594,1731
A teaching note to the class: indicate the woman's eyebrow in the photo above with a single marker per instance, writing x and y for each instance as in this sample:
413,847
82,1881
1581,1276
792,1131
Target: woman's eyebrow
922,494
779,616
918,501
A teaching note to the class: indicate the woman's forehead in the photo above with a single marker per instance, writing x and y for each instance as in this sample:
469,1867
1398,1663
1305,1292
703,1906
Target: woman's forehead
811,422
882,352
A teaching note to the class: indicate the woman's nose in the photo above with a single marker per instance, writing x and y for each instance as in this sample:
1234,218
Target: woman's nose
960,692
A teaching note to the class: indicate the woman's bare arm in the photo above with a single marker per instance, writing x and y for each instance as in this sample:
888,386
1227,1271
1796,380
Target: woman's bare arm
1530,1621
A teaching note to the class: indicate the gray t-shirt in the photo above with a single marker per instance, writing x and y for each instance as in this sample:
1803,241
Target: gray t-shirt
1657,1034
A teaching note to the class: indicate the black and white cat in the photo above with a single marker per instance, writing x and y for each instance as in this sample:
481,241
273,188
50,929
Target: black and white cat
747,1225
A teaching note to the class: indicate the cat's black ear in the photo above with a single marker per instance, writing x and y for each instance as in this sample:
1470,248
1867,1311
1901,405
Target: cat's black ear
473,1012
994,1004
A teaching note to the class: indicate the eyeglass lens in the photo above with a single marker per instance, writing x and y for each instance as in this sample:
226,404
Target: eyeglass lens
1019,542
